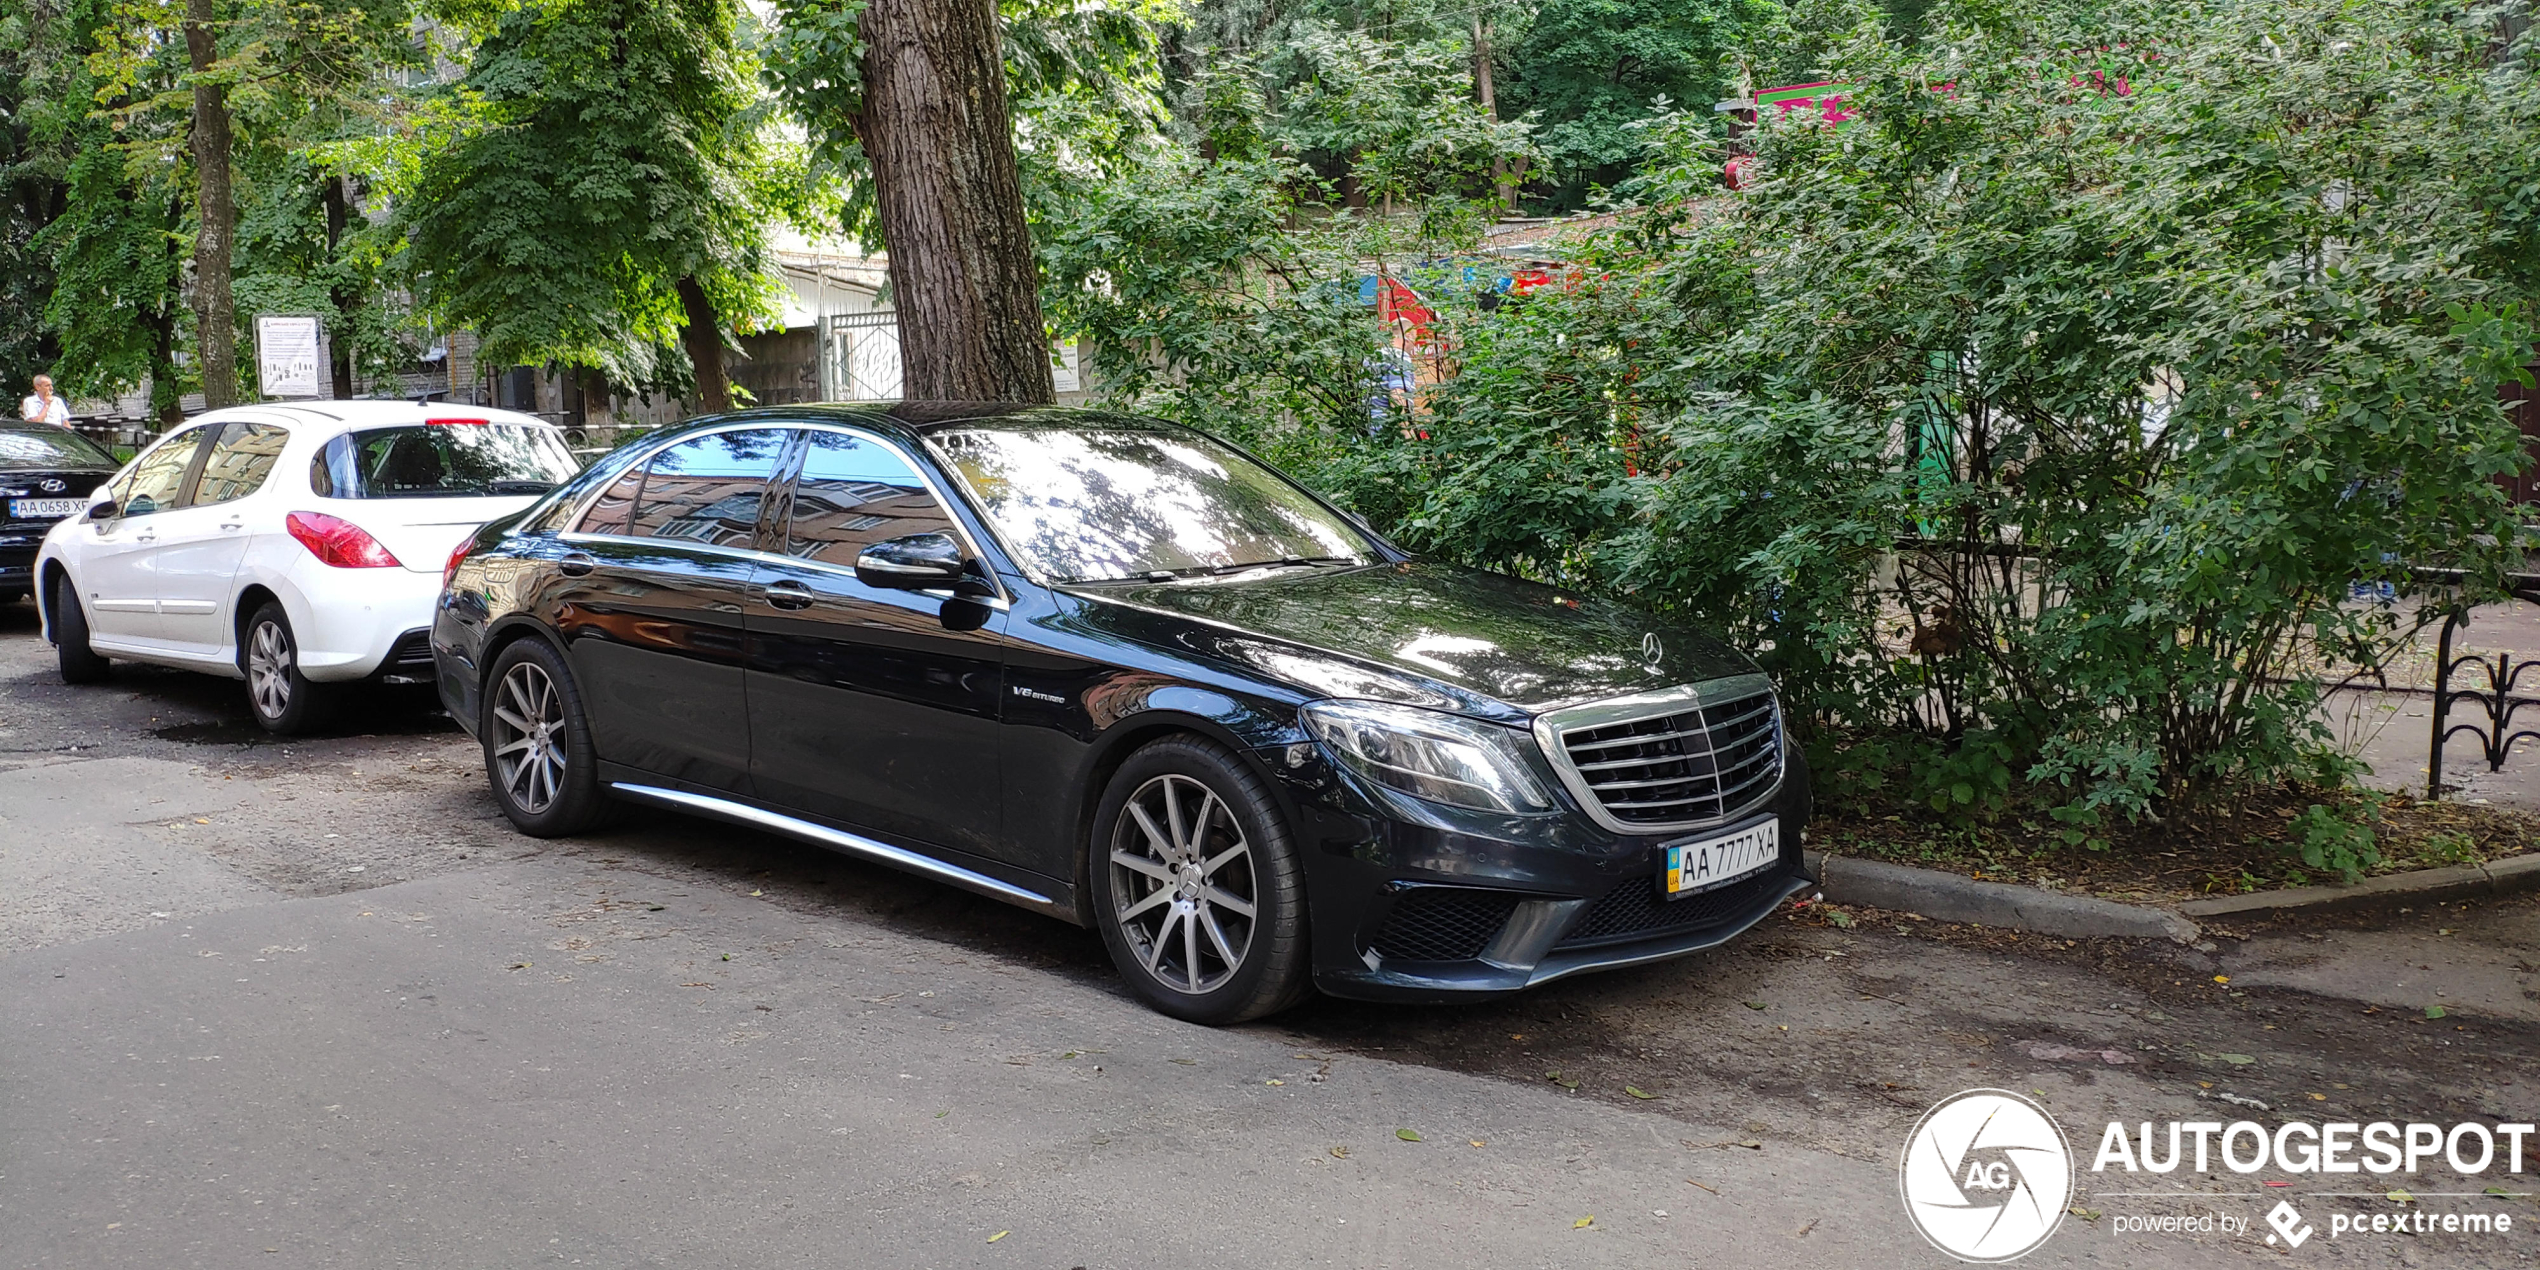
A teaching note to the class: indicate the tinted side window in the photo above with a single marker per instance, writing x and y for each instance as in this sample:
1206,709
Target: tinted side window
708,489
608,512
242,456
154,483
854,493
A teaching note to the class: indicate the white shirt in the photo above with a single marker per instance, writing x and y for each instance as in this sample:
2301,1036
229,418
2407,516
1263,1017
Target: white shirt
57,411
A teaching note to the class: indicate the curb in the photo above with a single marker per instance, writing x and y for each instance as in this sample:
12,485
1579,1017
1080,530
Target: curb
1949,897
2517,873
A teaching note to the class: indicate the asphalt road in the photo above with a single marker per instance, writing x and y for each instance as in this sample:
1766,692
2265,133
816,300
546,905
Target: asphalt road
268,1004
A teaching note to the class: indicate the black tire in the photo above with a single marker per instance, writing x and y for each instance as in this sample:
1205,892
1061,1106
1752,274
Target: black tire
537,742
283,700
80,663
1172,949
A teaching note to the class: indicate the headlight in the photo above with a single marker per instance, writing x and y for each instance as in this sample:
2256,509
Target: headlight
1439,757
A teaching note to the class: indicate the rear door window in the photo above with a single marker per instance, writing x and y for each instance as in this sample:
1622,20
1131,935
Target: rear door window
450,459
242,457
708,489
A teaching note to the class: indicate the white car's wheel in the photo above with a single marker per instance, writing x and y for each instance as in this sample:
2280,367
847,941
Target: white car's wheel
284,700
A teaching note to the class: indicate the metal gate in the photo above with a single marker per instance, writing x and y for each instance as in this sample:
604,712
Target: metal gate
860,356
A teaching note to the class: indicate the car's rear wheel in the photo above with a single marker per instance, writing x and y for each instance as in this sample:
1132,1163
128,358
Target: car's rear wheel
1197,886
80,664
538,754
284,701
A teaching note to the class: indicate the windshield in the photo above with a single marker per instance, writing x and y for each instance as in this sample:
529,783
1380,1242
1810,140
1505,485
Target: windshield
442,460
1097,504
31,448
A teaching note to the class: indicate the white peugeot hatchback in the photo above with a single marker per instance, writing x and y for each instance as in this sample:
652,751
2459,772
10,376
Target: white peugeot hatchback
295,546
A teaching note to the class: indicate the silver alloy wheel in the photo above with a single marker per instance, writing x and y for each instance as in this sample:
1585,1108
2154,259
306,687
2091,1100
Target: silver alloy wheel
1183,884
528,737
269,669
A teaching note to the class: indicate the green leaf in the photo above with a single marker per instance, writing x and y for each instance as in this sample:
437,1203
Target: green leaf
1407,1135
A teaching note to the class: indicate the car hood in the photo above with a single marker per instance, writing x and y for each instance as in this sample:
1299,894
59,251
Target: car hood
1420,633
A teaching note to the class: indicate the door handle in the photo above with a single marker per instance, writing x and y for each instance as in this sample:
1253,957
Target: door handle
789,595
147,536
575,564
232,526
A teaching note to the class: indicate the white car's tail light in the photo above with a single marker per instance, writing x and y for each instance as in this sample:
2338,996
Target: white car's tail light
338,542
458,554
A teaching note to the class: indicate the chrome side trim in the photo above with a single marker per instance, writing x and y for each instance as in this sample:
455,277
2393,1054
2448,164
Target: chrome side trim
835,839
1550,725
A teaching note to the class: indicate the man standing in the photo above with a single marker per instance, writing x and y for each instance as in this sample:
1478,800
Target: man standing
44,407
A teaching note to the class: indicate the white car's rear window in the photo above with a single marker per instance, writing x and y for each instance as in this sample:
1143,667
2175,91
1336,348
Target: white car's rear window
442,459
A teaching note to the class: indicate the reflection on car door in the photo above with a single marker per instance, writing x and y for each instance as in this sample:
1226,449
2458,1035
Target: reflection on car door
865,708
114,558
650,606
200,544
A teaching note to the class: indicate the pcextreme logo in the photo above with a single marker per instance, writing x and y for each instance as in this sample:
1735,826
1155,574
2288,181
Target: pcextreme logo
1986,1175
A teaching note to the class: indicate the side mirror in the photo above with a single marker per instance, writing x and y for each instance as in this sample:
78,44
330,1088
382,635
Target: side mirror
102,509
917,562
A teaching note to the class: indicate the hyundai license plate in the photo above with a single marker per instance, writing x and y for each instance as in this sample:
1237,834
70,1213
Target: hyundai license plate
1715,862
44,508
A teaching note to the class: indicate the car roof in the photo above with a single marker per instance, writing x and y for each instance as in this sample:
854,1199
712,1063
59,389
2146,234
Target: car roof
364,413
917,418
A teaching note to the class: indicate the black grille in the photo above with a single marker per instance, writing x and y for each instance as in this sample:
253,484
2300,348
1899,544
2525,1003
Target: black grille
1443,923
1635,908
1706,763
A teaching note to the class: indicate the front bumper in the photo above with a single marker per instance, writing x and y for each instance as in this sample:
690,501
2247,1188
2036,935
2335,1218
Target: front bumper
17,558
1433,912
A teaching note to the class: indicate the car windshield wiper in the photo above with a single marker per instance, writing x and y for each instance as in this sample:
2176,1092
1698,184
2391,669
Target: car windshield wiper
1280,563
521,486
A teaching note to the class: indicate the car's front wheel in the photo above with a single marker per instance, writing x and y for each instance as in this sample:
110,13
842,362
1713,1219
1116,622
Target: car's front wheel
1197,886
80,663
538,753
284,701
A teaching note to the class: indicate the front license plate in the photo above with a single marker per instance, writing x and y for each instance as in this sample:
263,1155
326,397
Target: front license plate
44,508
1712,862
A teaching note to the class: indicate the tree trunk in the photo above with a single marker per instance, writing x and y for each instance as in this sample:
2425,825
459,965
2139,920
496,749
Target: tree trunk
1483,93
963,275
339,213
704,337
215,314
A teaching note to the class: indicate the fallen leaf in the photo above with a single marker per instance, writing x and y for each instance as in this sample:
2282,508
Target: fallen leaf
945,1112
2319,1098
763,893
1755,1005
1584,1222
1407,1135
1635,1092
1557,1078
1839,918
200,821
2222,978
2236,1060
653,908
2086,1214
1340,1153
1477,1142
1274,1082
999,1235
520,965
2402,1197
2434,1012
1186,1062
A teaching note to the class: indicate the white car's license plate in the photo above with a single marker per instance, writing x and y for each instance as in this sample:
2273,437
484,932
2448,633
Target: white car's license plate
44,508
1711,862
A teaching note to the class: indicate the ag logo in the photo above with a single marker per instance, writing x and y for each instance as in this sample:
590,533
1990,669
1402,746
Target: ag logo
1986,1175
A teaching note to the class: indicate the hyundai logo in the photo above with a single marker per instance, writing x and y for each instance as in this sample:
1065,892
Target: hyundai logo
53,485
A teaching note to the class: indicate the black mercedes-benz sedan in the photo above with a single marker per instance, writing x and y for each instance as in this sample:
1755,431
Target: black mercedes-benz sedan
1117,671
46,473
